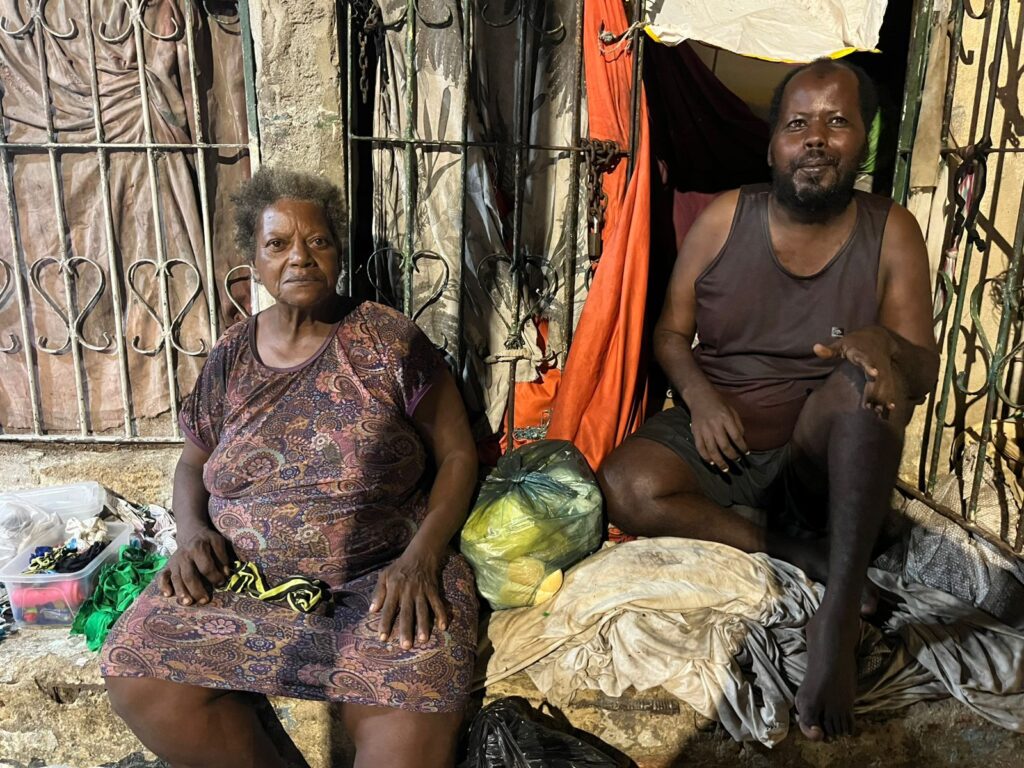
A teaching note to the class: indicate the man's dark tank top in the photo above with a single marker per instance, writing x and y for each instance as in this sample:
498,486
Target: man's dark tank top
757,323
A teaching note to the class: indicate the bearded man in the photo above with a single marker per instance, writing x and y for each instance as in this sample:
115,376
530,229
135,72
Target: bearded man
810,304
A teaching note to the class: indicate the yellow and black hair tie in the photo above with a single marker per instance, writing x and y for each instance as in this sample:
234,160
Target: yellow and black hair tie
297,592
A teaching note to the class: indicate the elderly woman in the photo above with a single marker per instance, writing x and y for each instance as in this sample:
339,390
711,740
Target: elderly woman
327,441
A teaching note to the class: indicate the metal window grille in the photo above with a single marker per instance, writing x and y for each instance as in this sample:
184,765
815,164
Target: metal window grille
523,283
979,399
182,285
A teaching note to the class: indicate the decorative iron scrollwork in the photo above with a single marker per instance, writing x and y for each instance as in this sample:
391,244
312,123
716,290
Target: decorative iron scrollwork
69,270
500,270
380,269
985,12
136,16
6,291
519,9
37,17
167,334
230,280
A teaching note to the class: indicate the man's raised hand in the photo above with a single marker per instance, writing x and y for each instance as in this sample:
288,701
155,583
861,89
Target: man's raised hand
871,350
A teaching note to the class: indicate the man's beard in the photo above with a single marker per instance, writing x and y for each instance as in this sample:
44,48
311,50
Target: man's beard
814,202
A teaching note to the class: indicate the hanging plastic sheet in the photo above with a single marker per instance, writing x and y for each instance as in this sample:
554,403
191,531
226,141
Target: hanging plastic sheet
771,29
466,287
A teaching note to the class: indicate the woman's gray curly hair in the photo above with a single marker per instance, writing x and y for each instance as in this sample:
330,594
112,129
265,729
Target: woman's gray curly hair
267,186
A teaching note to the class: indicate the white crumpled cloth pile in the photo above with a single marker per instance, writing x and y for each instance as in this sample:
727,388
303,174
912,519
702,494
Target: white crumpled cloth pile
722,630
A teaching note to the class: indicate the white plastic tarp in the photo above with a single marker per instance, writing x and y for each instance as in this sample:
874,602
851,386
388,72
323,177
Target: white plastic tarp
779,30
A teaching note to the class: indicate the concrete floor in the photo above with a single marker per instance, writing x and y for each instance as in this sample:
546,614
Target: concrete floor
54,711
657,731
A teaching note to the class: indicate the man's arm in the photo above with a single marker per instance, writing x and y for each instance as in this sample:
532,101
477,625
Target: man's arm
905,308
717,430
903,343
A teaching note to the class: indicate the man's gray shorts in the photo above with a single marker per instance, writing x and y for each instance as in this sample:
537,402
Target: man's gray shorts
762,479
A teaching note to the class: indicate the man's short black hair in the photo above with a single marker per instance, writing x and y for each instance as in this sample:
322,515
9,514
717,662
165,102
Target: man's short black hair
866,91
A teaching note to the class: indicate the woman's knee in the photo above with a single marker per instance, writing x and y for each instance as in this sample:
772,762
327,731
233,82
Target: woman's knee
143,701
394,738
130,697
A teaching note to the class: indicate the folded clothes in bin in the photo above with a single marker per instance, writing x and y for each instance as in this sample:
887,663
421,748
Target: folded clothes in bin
88,540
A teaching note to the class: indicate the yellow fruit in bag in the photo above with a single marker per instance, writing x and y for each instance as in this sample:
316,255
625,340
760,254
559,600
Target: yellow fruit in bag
527,571
548,588
538,512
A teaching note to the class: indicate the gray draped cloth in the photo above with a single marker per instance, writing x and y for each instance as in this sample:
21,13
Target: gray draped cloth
64,34
477,269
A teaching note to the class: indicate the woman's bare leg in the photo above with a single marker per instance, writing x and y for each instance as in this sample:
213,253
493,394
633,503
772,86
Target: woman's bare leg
192,727
394,738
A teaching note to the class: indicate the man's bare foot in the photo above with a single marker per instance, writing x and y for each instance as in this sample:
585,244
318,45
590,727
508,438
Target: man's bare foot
824,702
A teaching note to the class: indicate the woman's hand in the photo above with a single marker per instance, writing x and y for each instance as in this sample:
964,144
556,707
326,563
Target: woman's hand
717,428
870,349
408,590
203,559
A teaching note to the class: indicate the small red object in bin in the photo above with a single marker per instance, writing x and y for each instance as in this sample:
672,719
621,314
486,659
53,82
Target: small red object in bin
66,592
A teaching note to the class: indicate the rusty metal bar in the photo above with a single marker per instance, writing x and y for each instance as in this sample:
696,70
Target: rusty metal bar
917,62
578,81
20,278
456,143
204,204
408,264
90,439
161,267
637,45
249,77
463,255
350,149
39,31
113,267
113,145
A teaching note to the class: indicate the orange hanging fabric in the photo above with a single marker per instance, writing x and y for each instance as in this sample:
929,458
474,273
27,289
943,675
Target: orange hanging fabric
600,399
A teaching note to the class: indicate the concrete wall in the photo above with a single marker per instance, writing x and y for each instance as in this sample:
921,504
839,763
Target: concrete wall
298,84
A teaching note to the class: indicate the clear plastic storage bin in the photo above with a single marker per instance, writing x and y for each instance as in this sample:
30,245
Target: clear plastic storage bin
75,501
53,599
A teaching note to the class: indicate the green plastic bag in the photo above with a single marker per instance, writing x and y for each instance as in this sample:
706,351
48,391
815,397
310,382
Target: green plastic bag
538,512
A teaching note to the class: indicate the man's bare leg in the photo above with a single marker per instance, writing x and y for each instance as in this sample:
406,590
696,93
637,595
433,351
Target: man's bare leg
650,491
860,451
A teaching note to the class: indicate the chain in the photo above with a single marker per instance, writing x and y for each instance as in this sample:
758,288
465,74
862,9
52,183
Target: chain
370,27
601,157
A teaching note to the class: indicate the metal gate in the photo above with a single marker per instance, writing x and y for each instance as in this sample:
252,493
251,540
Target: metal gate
102,316
974,417
395,121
